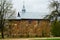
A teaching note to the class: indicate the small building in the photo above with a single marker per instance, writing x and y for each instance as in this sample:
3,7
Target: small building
27,24
31,27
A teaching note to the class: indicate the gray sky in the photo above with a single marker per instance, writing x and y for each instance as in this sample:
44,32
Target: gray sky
39,8
32,5
36,8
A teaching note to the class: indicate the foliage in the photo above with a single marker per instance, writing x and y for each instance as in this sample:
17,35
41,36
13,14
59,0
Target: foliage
55,28
53,6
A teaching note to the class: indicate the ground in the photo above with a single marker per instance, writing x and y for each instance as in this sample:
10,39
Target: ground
52,38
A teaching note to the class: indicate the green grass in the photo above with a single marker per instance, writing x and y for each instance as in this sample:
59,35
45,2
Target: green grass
46,39
55,38
52,39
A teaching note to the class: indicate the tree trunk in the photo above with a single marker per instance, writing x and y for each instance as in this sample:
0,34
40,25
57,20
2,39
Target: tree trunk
2,34
2,26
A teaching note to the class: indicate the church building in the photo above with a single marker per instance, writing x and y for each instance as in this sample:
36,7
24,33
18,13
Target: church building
27,24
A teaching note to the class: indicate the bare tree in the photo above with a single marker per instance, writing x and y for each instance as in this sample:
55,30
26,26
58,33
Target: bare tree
5,8
54,6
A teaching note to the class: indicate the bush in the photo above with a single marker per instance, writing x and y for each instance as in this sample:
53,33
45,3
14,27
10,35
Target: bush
56,29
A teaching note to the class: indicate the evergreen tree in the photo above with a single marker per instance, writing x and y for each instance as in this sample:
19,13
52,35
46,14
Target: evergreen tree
56,29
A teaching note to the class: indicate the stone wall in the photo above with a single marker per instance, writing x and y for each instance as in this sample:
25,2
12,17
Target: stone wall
30,28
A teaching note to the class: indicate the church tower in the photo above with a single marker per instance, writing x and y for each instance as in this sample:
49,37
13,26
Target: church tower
23,9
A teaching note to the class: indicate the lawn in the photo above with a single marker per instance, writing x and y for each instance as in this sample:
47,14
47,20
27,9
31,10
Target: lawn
54,38
46,39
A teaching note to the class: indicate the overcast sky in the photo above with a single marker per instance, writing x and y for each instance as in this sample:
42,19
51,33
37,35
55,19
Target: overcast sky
32,5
